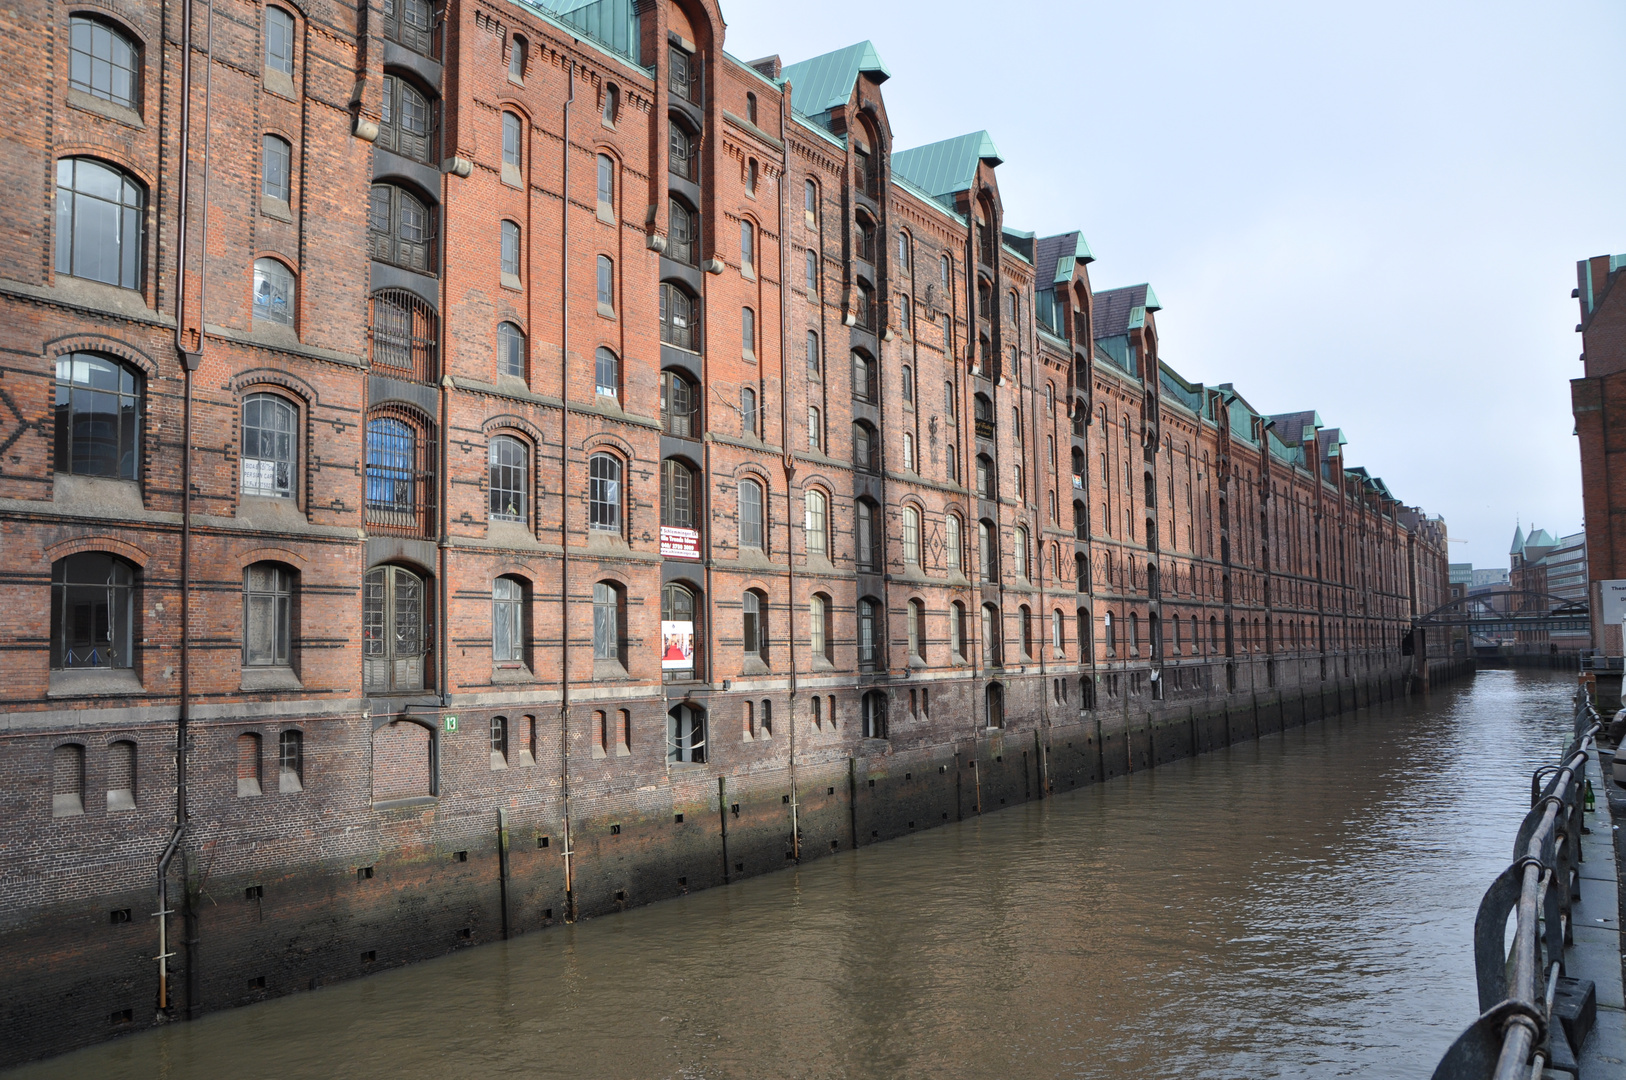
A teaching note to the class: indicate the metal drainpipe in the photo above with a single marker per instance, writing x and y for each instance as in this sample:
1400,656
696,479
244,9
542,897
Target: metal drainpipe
1038,547
564,495
789,465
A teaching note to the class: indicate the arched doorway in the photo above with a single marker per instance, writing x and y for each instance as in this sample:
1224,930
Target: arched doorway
686,733
994,697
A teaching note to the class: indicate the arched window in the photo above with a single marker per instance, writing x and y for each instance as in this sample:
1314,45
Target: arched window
98,422
817,527
957,630
810,271
100,223
952,543
606,185
410,23
279,41
680,405
1085,643
499,742
810,202
748,246
992,636
67,780
917,630
404,336
394,605
748,333
121,776
680,156
270,455
748,411
903,315
682,232
815,428
751,107
507,477
908,452
513,145
103,61
873,707
1110,632
508,636
988,551
274,293
863,377
399,481
818,620
604,492
1081,571
908,384
609,621
400,228
869,641
606,372
1025,617
677,495
510,349
248,765
268,596
92,612
866,448
1019,551
750,514
911,536
606,285
276,165
680,632
291,761
680,318
612,104
754,625
864,307
985,477
407,122
1134,634
510,252
1081,520
866,541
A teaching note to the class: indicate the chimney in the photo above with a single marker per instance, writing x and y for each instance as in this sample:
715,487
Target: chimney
768,65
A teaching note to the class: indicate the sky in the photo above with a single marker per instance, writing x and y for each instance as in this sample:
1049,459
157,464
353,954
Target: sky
1371,210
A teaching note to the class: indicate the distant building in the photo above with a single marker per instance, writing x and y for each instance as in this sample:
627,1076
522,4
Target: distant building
1489,578
1462,573
1551,570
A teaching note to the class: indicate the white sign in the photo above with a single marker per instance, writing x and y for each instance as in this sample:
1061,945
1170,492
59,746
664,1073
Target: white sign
677,646
679,543
1614,600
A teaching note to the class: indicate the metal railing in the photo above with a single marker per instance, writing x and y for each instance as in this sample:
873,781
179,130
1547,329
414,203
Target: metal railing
1516,989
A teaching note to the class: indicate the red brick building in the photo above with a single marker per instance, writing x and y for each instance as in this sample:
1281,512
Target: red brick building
1599,402
613,468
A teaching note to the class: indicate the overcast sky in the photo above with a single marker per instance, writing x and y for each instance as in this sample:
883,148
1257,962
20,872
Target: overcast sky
1372,210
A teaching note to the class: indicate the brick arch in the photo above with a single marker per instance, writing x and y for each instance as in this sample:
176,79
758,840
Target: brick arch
122,548
515,106
115,12
601,440
271,253
513,568
101,343
272,554
504,423
246,382
820,481
112,155
754,471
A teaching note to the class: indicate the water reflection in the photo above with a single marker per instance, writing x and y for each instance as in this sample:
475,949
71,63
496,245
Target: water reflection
1296,907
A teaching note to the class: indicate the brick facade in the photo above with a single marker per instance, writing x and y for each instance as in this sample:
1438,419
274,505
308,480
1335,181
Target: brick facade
1598,399
441,676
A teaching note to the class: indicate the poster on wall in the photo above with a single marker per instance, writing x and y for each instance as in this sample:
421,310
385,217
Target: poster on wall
677,646
679,543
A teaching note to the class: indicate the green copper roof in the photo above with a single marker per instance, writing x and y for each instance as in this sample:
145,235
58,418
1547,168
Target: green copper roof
613,24
943,168
820,84
1065,260
1152,302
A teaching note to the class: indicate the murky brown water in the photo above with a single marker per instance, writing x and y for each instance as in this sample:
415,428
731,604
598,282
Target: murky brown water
1296,907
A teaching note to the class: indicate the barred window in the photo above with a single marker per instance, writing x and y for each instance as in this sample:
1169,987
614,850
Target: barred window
103,61
100,223
270,454
750,514
267,615
391,456
604,492
98,425
510,350
274,292
508,468
404,334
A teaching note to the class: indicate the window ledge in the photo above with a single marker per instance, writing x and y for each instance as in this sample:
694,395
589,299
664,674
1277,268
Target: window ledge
512,675
280,83
271,678
511,175
512,281
609,669
78,99
94,682
276,208
512,534
607,311
270,512
401,804
754,666
283,338
95,496
605,213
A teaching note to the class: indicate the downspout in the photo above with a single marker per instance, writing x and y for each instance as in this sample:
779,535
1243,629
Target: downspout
789,464
443,450
564,495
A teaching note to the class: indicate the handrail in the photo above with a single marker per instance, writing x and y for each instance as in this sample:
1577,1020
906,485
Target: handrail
1542,884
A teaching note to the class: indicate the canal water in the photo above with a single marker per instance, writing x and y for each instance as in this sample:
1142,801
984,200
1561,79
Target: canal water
1300,906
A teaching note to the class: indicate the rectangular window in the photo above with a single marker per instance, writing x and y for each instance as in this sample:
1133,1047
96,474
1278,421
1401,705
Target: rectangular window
812,274
814,440
814,364
274,181
510,249
279,41
606,282
267,599
747,246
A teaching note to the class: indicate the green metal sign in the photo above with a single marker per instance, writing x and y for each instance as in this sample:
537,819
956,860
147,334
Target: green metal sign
450,724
